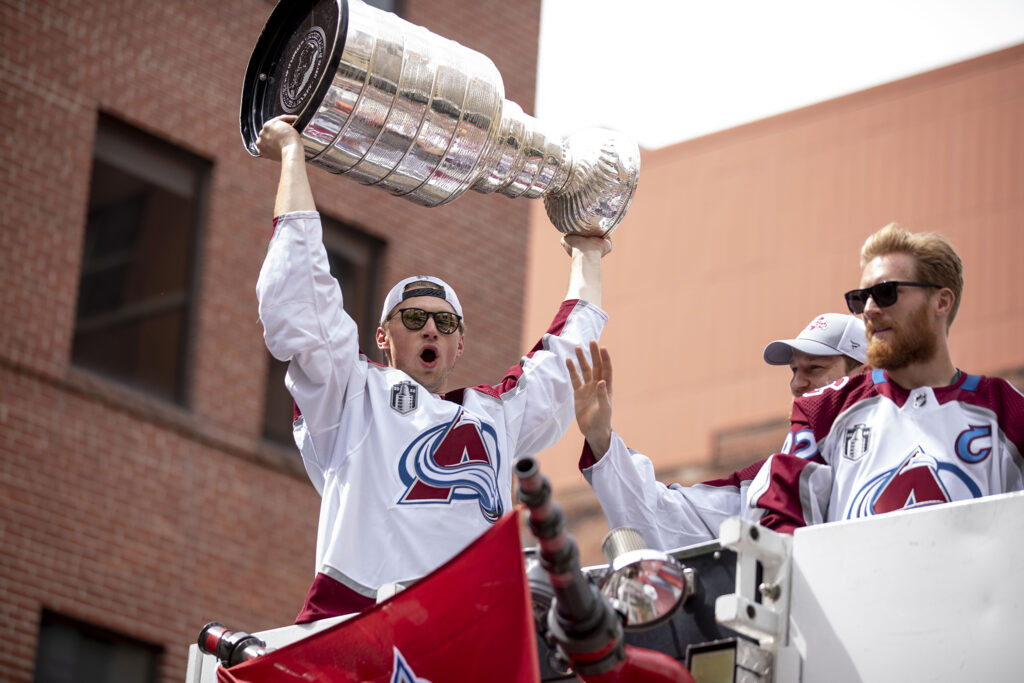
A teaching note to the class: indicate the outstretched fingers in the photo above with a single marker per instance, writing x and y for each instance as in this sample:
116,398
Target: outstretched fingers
602,363
586,371
595,370
574,375
606,367
597,360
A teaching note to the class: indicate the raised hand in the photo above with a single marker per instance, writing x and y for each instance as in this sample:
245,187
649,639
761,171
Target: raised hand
586,243
593,396
276,135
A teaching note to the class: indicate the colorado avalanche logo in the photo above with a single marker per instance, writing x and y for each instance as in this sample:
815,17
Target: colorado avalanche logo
454,461
919,480
402,672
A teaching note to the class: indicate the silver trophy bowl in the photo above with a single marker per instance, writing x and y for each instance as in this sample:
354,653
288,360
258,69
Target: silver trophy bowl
393,105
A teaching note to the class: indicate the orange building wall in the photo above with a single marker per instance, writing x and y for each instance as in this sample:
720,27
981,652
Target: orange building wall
741,237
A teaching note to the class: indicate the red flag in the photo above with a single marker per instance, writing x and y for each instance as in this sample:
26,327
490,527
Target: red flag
469,620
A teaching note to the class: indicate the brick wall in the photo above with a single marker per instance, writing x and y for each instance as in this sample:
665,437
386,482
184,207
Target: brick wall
118,509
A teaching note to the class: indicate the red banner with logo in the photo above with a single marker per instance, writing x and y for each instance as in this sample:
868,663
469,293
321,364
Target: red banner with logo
470,620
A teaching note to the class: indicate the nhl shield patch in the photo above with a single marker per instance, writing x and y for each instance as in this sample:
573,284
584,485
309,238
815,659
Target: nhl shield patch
403,397
858,440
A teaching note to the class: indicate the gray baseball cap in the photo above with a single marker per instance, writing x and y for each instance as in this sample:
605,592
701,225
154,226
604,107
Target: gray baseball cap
830,334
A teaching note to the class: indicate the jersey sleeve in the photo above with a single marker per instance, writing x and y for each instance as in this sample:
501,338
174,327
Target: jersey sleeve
304,322
537,394
668,517
790,492
1008,404
793,487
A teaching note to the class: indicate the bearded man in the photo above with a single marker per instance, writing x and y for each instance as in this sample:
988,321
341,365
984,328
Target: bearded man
916,431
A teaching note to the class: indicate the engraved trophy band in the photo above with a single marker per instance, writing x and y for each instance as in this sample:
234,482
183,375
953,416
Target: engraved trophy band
391,104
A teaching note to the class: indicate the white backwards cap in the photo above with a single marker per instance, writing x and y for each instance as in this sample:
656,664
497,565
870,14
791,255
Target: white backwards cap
398,294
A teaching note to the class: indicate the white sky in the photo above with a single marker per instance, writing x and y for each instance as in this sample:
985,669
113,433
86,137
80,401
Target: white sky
671,70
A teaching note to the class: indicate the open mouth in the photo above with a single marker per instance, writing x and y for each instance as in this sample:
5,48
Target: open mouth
428,356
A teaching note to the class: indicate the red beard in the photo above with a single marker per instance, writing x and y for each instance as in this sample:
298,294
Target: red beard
915,343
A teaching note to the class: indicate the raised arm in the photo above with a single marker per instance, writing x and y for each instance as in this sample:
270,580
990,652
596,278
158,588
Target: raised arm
302,311
279,141
624,481
585,271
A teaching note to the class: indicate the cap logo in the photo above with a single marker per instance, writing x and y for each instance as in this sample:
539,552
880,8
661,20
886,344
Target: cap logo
820,323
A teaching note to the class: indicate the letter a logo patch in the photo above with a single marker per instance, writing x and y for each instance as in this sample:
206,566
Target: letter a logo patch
454,461
915,483
402,672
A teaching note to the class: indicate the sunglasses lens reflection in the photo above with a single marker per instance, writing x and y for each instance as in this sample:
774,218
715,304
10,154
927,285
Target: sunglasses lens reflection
414,318
446,322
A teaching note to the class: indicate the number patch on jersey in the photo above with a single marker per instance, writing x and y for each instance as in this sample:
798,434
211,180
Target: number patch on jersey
801,444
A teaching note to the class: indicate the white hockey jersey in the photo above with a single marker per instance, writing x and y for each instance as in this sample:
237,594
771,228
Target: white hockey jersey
668,516
864,446
407,478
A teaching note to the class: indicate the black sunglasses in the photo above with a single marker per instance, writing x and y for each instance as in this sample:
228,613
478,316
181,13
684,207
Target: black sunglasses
884,294
416,318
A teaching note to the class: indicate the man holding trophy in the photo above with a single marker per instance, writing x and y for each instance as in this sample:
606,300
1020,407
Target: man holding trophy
409,471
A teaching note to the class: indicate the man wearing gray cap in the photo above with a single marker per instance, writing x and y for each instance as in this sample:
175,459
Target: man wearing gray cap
409,471
915,431
830,347
833,345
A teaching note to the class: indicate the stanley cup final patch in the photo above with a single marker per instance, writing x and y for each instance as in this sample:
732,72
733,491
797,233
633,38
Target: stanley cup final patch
403,397
858,440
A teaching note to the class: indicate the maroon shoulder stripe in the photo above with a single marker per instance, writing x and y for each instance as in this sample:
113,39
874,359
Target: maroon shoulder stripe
512,375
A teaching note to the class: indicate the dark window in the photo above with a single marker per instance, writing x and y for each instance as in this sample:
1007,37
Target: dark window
71,651
135,289
355,258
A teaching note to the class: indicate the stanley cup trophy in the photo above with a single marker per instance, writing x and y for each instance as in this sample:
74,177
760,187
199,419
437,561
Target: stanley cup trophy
390,104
